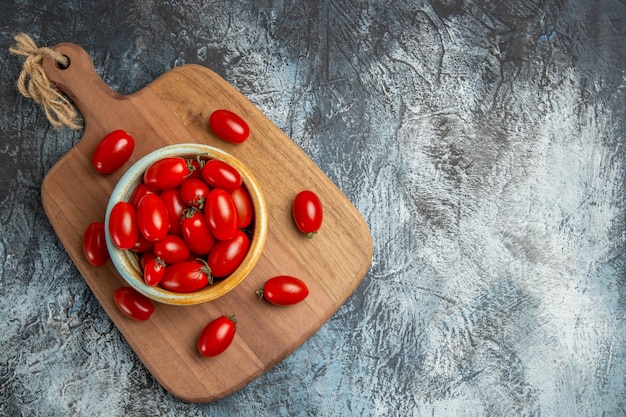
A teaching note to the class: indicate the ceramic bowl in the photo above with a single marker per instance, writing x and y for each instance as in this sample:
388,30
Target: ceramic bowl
127,262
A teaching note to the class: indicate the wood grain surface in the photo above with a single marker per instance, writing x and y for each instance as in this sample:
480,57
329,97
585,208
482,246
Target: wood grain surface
175,109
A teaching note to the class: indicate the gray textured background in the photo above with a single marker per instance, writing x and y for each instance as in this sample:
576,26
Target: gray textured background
484,144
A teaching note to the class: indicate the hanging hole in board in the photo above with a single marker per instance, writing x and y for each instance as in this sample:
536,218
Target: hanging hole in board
63,66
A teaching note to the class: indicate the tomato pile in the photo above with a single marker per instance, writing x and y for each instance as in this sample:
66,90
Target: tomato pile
190,221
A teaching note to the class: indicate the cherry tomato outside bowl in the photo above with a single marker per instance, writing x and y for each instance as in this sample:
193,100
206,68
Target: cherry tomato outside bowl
283,290
217,336
229,126
127,263
94,244
308,212
133,304
112,151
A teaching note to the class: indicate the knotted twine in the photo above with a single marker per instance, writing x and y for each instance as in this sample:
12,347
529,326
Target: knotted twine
34,83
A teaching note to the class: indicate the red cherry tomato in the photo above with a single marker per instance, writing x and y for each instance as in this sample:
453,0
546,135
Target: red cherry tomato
284,290
112,151
244,207
123,225
152,217
153,271
194,192
196,233
166,173
229,126
226,256
171,249
142,244
186,276
221,214
219,174
141,190
133,304
308,212
217,336
195,166
145,257
175,207
94,244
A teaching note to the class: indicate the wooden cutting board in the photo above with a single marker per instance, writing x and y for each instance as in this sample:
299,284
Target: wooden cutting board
175,109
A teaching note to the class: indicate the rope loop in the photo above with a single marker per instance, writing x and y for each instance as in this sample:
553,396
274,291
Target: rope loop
34,83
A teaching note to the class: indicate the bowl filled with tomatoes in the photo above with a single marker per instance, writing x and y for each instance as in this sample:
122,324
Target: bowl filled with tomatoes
186,224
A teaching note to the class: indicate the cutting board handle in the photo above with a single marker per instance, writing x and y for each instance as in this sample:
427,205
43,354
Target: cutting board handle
79,81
